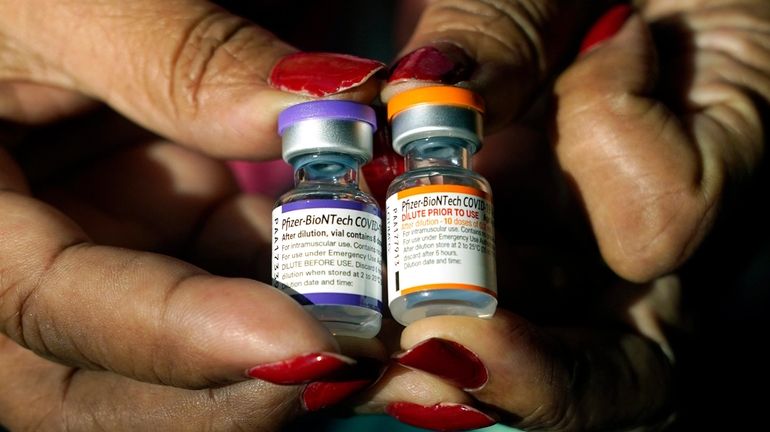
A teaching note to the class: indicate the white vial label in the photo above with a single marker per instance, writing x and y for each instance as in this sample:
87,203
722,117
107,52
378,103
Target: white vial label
440,237
328,252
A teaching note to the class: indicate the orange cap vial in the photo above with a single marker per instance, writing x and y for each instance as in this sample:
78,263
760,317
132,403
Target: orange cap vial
436,111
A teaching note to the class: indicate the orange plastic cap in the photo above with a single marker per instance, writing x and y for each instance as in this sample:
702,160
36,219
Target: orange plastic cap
440,95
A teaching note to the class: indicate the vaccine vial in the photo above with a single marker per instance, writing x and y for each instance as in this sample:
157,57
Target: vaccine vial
439,216
327,234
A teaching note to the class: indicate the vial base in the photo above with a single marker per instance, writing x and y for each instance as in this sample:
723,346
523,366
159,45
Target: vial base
346,320
411,307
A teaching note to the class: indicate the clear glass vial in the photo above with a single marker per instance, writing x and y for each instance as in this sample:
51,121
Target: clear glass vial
327,234
439,217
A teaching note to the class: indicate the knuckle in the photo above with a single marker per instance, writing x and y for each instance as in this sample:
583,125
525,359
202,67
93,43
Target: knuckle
210,53
168,347
736,116
35,330
22,284
739,62
494,25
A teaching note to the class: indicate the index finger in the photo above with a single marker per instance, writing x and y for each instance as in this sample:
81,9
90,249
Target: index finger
143,315
187,69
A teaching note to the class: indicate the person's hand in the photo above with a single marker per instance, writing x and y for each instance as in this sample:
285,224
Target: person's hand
648,141
99,330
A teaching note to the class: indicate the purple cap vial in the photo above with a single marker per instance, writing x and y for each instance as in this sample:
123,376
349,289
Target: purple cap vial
327,126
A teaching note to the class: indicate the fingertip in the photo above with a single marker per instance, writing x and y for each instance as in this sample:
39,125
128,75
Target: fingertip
428,63
232,325
364,93
460,328
392,89
439,61
402,384
443,416
253,122
446,359
320,74
300,369
290,85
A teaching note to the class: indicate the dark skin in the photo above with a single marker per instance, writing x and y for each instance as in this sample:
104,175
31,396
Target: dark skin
99,322
648,168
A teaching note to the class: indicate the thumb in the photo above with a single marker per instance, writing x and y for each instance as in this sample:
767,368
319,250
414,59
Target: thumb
186,69
631,161
501,50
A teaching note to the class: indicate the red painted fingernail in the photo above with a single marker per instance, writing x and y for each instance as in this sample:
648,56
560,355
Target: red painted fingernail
321,74
318,395
341,384
442,417
448,65
606,26
302,369
448,360
385,165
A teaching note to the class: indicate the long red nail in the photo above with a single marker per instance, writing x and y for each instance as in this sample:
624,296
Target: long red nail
448,65
448,360
302,369
320,395
385,165
442,417
321,74
606,26
341,384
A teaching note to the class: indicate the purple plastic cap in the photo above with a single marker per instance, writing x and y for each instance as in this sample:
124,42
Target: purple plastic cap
327,109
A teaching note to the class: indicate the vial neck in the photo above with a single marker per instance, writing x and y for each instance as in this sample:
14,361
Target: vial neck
438,152
326,169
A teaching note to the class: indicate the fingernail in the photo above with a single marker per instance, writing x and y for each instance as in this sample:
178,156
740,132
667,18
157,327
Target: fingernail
321,74
448,360
344,383
448,65
302,369
442,417
385,165
318,395
606,27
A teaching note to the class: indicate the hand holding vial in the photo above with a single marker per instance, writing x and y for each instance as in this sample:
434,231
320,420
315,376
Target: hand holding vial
633,154
117,211
116,121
